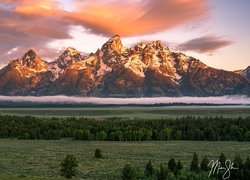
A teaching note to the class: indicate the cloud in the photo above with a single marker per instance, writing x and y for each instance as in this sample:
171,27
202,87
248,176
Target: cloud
206,44
32,6
33,24
155,100
131,18
12,51
26,31
44,8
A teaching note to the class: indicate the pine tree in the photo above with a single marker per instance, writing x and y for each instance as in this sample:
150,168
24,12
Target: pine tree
222,159
194,163
238,162
162,173
204,164
247,163
172,165
179,166
246,168
149,169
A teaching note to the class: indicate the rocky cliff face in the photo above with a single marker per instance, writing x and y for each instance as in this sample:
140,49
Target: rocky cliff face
146,70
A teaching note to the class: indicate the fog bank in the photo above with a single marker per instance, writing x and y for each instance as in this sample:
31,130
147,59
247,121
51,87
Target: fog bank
154,100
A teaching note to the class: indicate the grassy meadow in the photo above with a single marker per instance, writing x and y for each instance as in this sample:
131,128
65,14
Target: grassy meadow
40,159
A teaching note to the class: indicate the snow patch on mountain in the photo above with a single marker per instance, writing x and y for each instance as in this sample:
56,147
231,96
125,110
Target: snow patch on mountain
78,66
244,72
69,56
136,65
104,69
72,51
55,70
155,62
89,60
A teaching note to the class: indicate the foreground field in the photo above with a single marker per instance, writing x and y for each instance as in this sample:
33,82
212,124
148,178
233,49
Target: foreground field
40,159
132,112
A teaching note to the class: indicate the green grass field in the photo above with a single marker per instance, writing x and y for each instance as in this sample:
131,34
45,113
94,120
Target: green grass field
40,159
132,112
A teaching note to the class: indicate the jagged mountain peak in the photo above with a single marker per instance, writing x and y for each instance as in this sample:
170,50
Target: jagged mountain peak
244,72
68,57
113,43
115,38
141,44
71,51
29,59
156,44
30,52
29,55
247,72
32,60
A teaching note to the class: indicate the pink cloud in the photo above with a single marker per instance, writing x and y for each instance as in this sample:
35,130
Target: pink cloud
205,44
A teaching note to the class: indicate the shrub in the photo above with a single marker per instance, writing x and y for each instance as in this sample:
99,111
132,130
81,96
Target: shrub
69,166
128,172
98,153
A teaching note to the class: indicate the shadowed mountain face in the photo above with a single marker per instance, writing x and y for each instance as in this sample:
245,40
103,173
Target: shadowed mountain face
146,70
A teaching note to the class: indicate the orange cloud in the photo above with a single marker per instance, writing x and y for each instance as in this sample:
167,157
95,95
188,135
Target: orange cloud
45,7
126,18
130,18
30,6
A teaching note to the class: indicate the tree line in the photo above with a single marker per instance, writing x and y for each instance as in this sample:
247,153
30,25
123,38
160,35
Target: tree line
115,129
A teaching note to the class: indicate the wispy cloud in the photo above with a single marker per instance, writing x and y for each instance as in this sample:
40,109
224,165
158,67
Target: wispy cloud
129,18
206,44
12,51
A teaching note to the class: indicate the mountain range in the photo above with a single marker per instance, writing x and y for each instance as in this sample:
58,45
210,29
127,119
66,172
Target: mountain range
145,70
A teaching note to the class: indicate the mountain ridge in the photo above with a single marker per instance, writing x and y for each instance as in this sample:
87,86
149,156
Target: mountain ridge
145,70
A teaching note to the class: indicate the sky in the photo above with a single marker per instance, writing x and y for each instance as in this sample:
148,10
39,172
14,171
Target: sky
214,31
